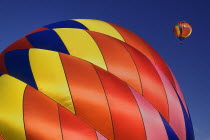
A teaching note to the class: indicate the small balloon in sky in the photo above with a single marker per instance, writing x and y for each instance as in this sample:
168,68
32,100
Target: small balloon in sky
182,30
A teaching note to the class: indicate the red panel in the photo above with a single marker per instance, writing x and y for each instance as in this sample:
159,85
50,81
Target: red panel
118,60
176,119
2,66
134,40
153,123
1,138
38,30
22,43
88,95
153,89
74,128
40,116
141,45
162,65
127,120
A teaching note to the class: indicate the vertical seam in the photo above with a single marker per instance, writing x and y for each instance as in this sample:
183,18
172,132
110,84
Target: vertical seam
136,68
67,82
24,111
60,121
106,100
139,110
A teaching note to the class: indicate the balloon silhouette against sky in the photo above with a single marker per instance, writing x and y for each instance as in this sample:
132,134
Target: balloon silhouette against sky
89,79
182,30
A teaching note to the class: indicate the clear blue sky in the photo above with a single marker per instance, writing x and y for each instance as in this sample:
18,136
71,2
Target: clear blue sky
151,19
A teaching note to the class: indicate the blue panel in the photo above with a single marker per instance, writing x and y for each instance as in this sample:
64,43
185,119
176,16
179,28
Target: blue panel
18,65
66,24
188,123
171,134
1,74
48,40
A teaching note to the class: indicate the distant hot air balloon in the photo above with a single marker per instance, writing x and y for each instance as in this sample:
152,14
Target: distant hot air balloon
182,30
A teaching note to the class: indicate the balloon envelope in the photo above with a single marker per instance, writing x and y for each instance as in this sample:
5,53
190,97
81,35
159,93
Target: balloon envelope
89,79
182,30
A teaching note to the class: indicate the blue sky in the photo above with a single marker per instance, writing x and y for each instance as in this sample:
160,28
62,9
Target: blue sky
151,19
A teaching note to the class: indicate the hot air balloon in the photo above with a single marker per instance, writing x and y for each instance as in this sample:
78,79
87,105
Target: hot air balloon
89,79
182,30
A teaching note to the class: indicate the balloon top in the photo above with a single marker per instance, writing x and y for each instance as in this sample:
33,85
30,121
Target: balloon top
182,30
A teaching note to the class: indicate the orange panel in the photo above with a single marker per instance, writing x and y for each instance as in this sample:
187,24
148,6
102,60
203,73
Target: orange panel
126,116
162,65
141,45
134,40
118,60
88,94
153,89
74,128
185,28
40,116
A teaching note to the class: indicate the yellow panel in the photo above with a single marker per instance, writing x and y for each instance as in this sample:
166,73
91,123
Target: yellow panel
177,31
101,27
80,44
11,108
50,77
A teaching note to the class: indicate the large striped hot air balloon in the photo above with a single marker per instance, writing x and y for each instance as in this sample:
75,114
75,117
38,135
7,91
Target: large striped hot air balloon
89,80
